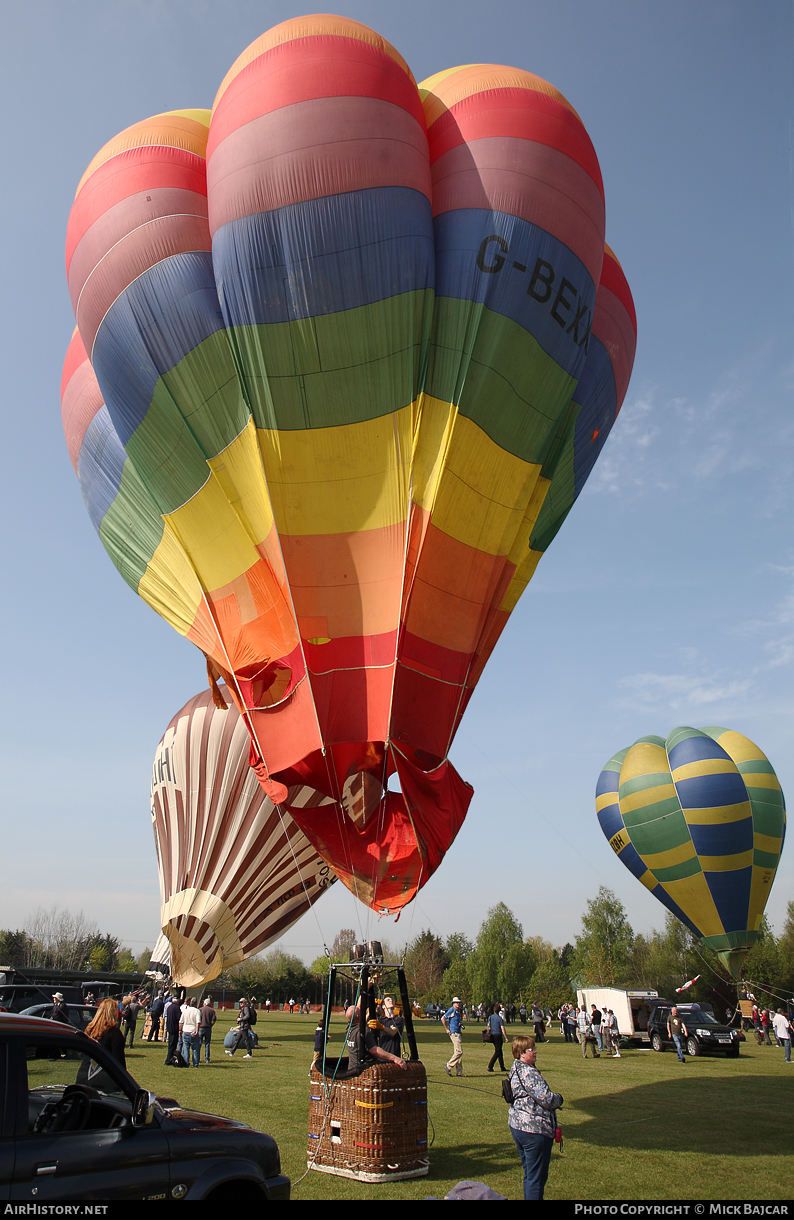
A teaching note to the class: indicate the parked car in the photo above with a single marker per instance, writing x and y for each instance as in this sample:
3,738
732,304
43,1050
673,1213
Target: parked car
705,1033
80,1015
74,1125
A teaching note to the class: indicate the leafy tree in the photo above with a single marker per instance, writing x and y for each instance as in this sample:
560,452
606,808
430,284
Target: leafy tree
343,943
425,963
319,967
765,967
14,949
542,949
603,948
126,963
456,981
103,953
786,949
458,950
550,984
458,947
502,964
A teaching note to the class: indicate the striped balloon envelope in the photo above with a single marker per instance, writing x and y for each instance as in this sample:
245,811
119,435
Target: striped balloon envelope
700,820
235,871
347,350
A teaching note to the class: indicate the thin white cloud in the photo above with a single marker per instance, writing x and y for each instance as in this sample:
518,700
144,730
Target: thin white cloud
660,444
680,691
777,626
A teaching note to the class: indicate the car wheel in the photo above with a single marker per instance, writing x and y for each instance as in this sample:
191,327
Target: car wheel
656,1042
235,1192
692,1047
732,1052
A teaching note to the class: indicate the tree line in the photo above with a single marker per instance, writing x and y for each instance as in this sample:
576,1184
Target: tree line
501,964
504,965
57,939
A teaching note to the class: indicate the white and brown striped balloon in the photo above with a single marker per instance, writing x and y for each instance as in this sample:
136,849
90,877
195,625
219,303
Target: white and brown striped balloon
235,873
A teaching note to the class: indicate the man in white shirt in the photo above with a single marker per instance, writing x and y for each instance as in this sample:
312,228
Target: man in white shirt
188,1028
783,1032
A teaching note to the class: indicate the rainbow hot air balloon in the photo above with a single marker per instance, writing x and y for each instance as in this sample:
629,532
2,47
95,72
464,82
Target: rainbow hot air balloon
235,871
348,348
700,820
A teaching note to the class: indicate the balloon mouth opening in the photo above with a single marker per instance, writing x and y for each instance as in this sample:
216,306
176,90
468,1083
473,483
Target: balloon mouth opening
191,964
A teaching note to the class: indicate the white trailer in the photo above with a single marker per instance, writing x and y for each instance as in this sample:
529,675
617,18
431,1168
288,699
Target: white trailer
632,1008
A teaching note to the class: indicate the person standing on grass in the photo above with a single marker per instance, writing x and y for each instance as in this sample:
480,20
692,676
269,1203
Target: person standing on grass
677,1030
452,1021
320,1041
783,1032
612,1032
207,1018
243,1031
189,1029
173,1016
585,1034
496,1027
131,1010
532,1117
595,1025
766,1025
155,1013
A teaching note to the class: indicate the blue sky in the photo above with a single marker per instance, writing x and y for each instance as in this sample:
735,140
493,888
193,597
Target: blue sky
667,598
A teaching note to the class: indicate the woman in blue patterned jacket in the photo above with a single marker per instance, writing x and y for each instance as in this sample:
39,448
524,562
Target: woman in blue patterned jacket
532,1117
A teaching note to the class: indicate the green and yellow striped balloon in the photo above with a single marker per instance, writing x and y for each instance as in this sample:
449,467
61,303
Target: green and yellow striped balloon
700,819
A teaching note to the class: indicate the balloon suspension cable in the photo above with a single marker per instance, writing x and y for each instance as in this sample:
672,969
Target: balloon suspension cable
711,969
786,998
277,807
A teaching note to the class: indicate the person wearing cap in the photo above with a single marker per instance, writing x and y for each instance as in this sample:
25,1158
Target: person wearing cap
390,1036
452,1021
365,1052
59,1010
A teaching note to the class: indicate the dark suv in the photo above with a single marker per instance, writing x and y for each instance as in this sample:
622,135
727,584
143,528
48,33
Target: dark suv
75,1125
704,1030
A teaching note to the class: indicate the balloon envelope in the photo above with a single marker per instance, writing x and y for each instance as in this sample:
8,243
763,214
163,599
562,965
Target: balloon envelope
348,348
235,872
699,819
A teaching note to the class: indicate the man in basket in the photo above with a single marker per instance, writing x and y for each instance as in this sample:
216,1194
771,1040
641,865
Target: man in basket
364,1052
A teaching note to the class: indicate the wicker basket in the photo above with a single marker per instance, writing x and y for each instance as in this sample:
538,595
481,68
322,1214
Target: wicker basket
372,1127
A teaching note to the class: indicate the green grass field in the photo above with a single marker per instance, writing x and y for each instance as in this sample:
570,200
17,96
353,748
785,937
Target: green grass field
640,1127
